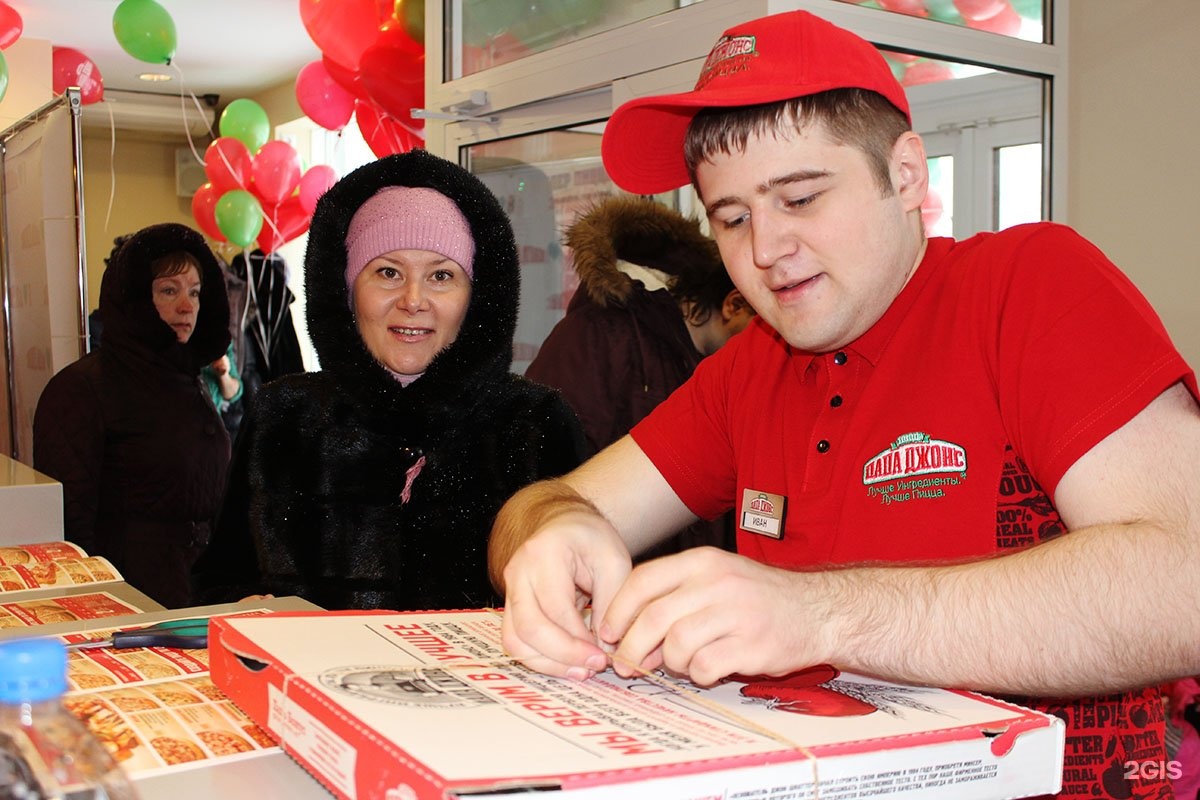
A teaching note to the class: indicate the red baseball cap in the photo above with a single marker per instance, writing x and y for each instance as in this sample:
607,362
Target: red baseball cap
762,61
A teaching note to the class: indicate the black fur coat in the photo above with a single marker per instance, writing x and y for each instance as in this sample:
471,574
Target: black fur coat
325,458
130,431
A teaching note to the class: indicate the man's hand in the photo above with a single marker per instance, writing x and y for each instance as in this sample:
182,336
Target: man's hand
558,543
574,557
221,365
706,614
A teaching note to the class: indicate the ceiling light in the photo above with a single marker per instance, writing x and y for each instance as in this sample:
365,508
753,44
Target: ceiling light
154,77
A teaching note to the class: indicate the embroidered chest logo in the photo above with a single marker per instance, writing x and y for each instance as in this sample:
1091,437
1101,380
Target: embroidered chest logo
729,55
915,466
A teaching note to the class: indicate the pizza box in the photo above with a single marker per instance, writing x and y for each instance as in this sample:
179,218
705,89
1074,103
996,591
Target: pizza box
425,706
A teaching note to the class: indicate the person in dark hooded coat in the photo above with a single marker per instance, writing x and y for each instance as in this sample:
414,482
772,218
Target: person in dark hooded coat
653,300
129,430
373,483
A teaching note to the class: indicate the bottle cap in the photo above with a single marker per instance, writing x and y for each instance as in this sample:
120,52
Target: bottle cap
32,670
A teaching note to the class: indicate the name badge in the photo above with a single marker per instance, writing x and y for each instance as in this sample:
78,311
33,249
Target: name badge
762,513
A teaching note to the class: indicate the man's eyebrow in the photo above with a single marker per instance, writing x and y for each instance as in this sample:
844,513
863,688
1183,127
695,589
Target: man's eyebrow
799,176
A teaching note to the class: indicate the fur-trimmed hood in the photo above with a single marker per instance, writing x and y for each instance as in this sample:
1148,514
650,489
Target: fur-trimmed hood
637,231
132,325
483,348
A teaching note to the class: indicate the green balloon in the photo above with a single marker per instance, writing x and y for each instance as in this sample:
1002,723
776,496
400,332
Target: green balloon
239,217
3,76
944,11
246,121
412,15
1030,9
145,30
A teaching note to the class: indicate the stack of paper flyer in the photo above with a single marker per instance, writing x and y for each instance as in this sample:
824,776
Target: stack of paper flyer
427,705
156,708
52,582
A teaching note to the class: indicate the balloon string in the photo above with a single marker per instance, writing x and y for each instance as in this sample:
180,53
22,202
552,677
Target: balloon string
112,165
420,134
184,92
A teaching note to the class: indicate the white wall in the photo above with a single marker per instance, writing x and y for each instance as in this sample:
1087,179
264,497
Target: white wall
1134,148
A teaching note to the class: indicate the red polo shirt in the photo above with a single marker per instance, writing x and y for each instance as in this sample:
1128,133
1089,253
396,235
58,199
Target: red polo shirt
941,433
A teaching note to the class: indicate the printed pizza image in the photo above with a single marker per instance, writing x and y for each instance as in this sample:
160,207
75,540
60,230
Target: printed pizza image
91,680
223,743
77,571
44,573
99,568
9,621
132,702
206,687
155,668
105,723
47,613
261,737
176,751
174,697
10,580
14,555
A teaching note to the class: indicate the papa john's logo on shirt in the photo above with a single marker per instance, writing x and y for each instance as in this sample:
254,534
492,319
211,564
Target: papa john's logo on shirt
915,466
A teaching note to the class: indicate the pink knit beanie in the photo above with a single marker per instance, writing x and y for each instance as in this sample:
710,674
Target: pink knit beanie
408,218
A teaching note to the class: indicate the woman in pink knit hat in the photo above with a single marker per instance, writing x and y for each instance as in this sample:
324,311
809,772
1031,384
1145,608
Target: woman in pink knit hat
373,483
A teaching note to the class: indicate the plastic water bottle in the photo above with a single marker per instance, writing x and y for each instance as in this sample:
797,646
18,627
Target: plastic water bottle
46,753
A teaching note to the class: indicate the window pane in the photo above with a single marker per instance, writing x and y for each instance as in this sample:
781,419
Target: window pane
937,212
543,181
1022,19
493,32
1018,185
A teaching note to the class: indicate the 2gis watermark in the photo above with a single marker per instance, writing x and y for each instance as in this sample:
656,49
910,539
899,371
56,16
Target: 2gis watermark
1153,770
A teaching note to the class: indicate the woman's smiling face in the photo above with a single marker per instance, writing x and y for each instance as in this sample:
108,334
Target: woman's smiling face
409,306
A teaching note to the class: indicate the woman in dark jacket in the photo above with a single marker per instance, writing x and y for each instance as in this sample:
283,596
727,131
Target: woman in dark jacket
129,430
373,483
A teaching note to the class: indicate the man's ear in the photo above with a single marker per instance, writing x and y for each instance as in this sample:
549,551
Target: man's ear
910,170
734,304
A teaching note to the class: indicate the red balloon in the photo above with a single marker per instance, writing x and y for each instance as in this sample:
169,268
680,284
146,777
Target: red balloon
287,221
383,134
227,164
204,207
314,183
914,8
343,30
925,71
1006,22
72,68
394,78
322,99
348,79
387,10
276,172
979,9
11,25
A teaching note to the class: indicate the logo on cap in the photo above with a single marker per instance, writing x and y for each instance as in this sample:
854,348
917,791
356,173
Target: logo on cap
729,55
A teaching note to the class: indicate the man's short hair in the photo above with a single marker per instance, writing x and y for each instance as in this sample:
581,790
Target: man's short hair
855,117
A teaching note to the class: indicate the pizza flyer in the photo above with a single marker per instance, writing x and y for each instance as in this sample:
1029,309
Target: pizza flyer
39,553
157,726
156,708
62,572
70,608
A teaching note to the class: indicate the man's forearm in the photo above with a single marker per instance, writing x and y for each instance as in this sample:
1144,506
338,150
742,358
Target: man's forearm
1095,611
521,517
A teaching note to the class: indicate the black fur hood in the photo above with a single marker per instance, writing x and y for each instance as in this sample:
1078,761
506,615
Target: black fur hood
132,326
483,349
638,231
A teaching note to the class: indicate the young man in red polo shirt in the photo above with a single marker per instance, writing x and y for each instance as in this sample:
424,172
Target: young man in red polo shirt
967,464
